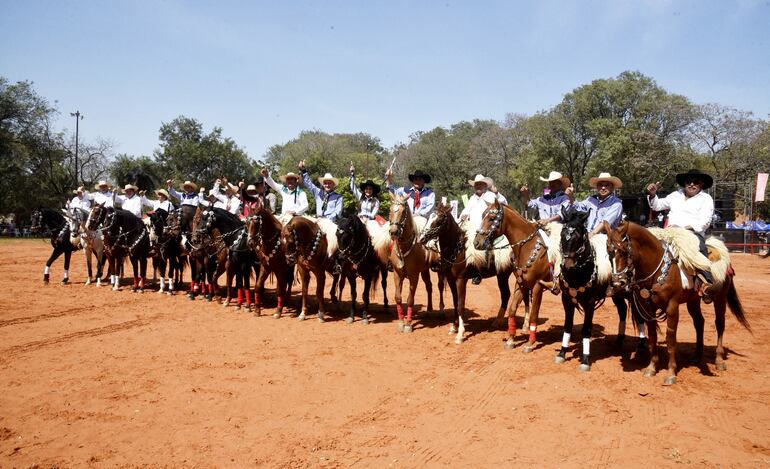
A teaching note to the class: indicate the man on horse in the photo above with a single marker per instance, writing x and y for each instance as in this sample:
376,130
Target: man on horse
421,198
484,193
328,202
81,200
229,200
548,205
293,199
255,193
366,195
103,195
602,206
133,202
689,208
162,203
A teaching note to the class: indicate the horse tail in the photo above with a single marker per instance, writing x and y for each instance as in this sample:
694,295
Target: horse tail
374,282
734,302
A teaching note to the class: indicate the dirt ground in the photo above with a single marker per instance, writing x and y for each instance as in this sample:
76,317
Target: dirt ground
92,377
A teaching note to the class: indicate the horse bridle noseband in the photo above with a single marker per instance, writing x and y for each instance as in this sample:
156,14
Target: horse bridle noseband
259,242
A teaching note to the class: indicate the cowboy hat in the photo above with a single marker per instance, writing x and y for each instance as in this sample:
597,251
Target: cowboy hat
288,175
190,184
614,180
708,181
79,190
557,176
162,192
480,178
231,188
130,186
370,183
101,184
328,177
419,174
250,188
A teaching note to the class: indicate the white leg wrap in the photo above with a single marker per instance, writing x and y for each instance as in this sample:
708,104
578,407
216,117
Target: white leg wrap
642,331
47,270
586,346
565,339
66,274
622,328
170,284
162,284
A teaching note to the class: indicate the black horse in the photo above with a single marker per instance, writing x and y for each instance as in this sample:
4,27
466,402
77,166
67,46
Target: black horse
124,235
580,284
166,250
223,225
356,257
52,220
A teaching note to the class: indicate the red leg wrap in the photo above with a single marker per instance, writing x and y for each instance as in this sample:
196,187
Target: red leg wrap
280,302
400,311
532,332
256,299
247,294
192,286
141,283
240,296
409,314
136,282
211,289
511,326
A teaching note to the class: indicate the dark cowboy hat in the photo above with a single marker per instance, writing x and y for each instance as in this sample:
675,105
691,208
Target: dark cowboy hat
260,180
369,182
419,173
708,181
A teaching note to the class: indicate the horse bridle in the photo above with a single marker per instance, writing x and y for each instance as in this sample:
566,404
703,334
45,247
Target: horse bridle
353,257
298,250
259,241
400,230
433,232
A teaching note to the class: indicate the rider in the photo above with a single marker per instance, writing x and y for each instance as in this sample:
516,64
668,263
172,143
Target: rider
484,193
103,195
190,197
602,206
81,200
366,194
328,202
132,201
293,199
228,201
162,203
691,209
548,205
421,198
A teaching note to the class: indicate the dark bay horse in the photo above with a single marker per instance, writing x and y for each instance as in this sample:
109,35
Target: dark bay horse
356,257
458,268
52,220
208,258
531,264
645,266
264,237
167,252
124,235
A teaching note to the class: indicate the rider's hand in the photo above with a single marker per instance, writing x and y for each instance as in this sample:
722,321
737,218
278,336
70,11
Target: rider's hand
524,191
652,189
264,172
169,182
352,168
301,165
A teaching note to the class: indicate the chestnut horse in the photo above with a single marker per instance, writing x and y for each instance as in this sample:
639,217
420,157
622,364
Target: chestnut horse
458,267
646,267
410,259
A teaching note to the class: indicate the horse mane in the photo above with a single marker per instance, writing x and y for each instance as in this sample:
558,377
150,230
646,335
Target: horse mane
380,235
329,229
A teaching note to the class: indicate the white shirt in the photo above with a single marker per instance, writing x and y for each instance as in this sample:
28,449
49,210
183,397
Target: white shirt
230,203
158,205
695,212
101,198
133,204
292,201
188,198
476,205
81,202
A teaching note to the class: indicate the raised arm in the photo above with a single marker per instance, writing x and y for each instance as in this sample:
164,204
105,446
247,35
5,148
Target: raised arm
309,184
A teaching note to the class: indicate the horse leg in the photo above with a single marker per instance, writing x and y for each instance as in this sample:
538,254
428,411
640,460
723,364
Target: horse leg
259,287
652,342
384,284
66,278
89,265
693,307
368,281
622,307
142,273
518,295
333,290
505,296
194,267
588,324
54,255
672,321
537,297
399,307
135,270
354,294
569,318
162,266
246,274
413,281
458,294
320,278
428,288
720,309
304,276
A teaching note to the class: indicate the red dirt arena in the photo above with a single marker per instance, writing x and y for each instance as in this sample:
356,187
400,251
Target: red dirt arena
92,377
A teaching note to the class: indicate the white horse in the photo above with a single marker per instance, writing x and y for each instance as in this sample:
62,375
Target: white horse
91,241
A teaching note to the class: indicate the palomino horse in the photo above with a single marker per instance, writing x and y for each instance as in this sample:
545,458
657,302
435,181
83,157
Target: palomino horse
92,242
53,221
410,259
646,266
124,234
167,252
357,257
264,237
531,263
461,261
312,249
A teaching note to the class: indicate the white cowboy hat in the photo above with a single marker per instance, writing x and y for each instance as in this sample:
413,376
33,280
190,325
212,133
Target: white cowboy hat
557,176
250,188
79,190
189,184
480,178
213,192
328,177
101,184
289,175
130,186
615,181
162,192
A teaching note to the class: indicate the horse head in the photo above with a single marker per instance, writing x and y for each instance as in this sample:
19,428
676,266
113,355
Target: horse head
575,244
619,250
202,224
36,220
348,231
399,214
437,223
290,242
491,226
96,217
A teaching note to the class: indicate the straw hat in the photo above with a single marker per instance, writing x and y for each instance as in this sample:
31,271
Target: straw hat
189,184
614,180
162,192
708,181
328,177
101,184
288,175
251,188
557,176
480,178
79,190
231,189
130,186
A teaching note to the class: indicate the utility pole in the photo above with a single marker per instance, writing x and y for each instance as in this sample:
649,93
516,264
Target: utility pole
77,117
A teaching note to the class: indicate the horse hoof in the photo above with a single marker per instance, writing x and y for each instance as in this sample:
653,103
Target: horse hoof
584,368
459,340
452,329
407,328
721,366
349,320
301,317
508,344
365,321
670,380
238,307
160,291
528,348
400,326
558,359
141,290
65,281
320,317
649,373
277,315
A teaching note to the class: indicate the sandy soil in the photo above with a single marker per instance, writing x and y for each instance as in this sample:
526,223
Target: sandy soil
92,377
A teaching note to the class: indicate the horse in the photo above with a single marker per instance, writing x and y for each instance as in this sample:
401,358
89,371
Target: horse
220,225
356,256
312,249
61,238
264,237
92,242
461,261
647,267
167,251
532,262
410,259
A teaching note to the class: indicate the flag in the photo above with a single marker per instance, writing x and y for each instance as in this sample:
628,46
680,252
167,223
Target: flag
761,185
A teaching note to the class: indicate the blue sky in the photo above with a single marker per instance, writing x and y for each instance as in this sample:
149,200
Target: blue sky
266,70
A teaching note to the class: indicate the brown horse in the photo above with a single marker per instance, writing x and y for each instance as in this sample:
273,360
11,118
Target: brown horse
264,237
410,259
530,263
647,268
311,249
458,266
208,255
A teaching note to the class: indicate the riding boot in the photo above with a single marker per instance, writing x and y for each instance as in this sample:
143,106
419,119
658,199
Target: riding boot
706,281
